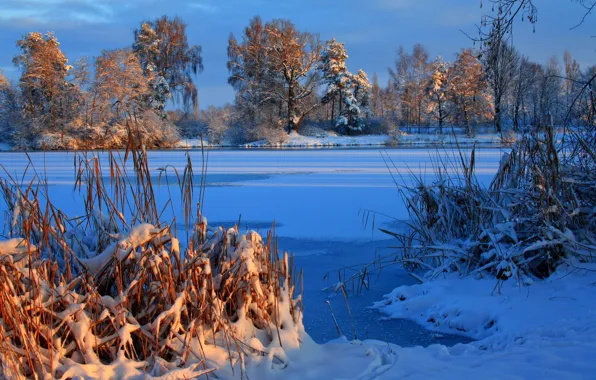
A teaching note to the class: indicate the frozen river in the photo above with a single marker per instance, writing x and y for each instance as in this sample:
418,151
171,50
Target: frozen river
316,198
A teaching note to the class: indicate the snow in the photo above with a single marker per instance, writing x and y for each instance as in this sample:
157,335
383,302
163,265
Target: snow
15,246
545,330
330,139
136,236
4,146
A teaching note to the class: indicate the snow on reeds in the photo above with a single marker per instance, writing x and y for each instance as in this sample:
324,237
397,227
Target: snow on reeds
111,295
538,212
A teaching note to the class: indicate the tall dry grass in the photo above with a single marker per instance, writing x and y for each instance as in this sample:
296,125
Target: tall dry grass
539,212
111,294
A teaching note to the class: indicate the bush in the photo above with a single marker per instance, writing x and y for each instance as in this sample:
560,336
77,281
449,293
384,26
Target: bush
272,132
314,130
393,131
509,137
217,122
155,131
380,126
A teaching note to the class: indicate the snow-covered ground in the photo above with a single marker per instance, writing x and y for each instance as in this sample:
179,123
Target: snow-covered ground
328,139
546,330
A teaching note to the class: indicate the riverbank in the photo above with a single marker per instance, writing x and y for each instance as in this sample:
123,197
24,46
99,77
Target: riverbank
330,140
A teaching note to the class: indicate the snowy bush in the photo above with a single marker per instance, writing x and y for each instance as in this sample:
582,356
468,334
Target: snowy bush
538,212
393,132
155,131
217,122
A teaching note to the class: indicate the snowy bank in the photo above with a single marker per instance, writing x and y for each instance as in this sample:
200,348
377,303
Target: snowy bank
329,139
544,330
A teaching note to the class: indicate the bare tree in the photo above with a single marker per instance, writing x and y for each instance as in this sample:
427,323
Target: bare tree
500,60
507,11
375,97
411,76
438,88
571,84
401,83
468,91
523,82
293,56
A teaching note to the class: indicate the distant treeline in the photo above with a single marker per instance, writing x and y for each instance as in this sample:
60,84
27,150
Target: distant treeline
284,80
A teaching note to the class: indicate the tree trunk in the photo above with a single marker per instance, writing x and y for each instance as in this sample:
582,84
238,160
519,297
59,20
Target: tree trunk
467,121
333,109
440,116
497,120
290,107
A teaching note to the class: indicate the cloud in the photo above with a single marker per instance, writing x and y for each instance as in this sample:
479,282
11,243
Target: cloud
46,11
396,4
440,12
202,6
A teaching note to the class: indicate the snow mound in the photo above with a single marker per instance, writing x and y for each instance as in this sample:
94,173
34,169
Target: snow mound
546,330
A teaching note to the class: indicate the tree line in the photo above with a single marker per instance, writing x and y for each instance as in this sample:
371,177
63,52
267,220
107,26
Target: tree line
284,80
88,104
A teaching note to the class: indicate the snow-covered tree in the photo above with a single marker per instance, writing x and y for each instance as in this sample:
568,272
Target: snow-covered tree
163,51
349,117
9,108
362,92
120,88
292,59
250,77
521,99
587,102
334,74
217,122
272,70
552,109
350,92
43,81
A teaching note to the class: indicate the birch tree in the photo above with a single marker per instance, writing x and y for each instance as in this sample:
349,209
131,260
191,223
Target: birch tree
438,91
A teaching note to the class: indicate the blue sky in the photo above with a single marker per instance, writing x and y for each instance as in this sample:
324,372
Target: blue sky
371,29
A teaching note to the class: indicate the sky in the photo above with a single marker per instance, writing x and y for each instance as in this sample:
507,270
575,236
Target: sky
372,30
